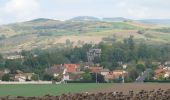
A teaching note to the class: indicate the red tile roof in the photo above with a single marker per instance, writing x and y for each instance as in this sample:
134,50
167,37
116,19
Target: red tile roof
71,67
95,69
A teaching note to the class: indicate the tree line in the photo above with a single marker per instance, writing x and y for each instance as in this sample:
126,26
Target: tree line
137,55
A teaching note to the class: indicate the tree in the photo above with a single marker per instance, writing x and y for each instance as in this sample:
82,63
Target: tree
143,51
2,37
131,48
6,77
163,54
14,65
35,77
133,74
100,78
140,67
131,43
119,55
87,76
48,77
2,61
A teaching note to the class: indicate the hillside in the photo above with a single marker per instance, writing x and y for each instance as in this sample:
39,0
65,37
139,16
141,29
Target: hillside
44,33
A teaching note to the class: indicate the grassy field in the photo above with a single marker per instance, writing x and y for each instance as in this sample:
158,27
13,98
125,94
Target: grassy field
40,90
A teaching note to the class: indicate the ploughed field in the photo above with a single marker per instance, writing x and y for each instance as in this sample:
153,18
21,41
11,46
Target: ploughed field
88,91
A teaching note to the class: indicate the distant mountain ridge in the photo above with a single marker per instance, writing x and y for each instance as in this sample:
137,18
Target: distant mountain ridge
156,21
84,18
115,19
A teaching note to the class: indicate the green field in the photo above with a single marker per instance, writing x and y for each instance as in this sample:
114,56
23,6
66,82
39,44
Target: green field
40,90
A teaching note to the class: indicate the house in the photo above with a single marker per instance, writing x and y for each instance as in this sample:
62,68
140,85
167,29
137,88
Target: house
104,72
167,63
66,76
109,76
72,76
118,73
55,70
115,74
65,71
72,68
22,77
162,71
95,69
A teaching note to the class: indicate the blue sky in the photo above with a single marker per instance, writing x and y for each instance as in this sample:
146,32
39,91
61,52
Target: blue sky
22,10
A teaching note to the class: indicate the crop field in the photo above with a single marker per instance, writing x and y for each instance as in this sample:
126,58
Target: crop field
41,90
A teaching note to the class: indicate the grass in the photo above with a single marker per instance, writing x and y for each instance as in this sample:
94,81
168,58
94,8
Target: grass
40,90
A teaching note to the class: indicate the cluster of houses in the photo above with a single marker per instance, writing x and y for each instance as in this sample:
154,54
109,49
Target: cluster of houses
75,72
162,72
66,72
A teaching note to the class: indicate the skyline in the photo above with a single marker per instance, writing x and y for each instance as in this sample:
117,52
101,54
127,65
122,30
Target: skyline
23,10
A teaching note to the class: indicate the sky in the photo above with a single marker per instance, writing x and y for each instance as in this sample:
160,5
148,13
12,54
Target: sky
22,10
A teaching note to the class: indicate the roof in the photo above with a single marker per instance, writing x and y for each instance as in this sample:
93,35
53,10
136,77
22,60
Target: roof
105,70
71,67
118,71
95,69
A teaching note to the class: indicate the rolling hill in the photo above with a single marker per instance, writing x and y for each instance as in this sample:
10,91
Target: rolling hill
44,33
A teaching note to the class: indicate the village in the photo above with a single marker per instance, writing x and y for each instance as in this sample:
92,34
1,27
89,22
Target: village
77,72
89,72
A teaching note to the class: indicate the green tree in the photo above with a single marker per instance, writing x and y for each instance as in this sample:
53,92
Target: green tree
87,76
6,77
2,61
140,67
100,78
119,55
48,77
133,74
35,77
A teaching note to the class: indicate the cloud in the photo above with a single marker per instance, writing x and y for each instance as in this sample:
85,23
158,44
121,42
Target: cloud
20,10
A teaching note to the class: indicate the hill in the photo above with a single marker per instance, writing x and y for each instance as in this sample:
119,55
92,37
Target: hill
44,33
116,19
